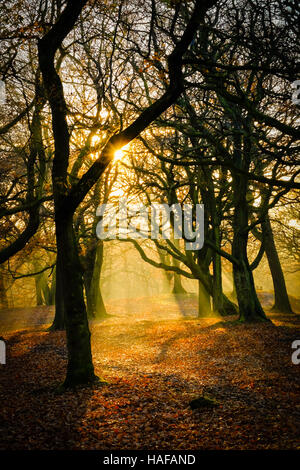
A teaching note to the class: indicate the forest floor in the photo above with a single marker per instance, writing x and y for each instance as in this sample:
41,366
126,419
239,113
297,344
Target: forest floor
156,359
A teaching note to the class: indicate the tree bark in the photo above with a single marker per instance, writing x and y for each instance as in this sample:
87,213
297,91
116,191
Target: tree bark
38,290
250,308
178,288
217,296
204,305
282,303
59,318
95,305
80,368
3,291
43,293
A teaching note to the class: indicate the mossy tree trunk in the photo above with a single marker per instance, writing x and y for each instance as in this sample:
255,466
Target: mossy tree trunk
178,288
250,308
42,289
38,290
204,305
217,296
282,303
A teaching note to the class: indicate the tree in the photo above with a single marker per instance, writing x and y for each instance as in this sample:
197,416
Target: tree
282,303
68,196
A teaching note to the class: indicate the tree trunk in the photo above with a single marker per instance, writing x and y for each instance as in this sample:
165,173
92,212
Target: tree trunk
250,308
178,288
88,263
233,292
59,318
38,280
95,305
227,307
43,293
38,289
217,272
46,290
223,306
282,303
80,366
204,306
3,291
52,288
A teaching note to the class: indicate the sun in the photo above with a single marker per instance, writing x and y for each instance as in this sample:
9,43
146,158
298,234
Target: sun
121,152
118,154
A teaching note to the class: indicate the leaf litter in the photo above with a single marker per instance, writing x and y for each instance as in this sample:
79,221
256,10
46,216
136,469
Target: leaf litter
156,365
